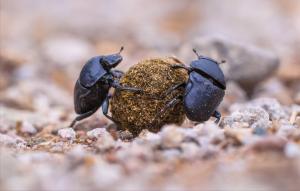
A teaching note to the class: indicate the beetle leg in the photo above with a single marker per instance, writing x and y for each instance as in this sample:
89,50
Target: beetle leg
117,73
165,94
217,115
118,86
105,106
181,66
173,88
83,116
169,105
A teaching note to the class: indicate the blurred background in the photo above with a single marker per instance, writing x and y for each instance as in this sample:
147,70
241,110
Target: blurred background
44,44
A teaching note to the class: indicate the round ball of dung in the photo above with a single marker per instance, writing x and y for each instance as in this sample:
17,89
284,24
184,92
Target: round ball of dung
137,111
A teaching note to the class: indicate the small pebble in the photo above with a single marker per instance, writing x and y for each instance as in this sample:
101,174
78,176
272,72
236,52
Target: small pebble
248,116
106,141
27,127
97,133
189,150
272,106
171,136
67,133
125,135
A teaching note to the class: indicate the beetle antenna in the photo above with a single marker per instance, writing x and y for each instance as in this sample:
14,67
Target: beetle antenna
121,49
195,51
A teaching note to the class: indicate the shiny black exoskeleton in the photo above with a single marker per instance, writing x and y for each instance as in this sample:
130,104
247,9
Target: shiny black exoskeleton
92,88
204,89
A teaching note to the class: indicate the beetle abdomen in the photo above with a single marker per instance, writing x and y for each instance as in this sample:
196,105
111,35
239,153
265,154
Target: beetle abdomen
86,100
202,98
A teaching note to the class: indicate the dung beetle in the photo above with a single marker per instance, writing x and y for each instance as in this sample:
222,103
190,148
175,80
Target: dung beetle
92,87
204,89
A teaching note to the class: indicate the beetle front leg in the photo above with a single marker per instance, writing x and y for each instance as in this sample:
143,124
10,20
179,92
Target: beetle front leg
169,105
105,106
181,66
217,115
83,116
117,73
116,84
173,88
169,91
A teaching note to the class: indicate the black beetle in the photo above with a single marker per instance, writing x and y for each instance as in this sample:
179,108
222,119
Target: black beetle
92,88
204,89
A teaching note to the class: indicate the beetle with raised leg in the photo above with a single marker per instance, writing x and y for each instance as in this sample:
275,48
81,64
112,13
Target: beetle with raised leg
92,87
204,89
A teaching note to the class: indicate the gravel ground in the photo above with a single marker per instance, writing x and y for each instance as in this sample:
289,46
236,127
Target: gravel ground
255,146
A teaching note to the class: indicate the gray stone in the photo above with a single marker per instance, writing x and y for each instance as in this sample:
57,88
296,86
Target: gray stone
97,133
65,50
272,106
27,127
245,64
248,116
67,133
104,142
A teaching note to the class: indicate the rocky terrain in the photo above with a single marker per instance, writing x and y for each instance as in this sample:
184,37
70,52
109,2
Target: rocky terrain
255,146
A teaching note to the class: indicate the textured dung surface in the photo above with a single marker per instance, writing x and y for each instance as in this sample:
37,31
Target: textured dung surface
136,112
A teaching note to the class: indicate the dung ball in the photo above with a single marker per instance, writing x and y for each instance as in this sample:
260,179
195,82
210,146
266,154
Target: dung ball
135,112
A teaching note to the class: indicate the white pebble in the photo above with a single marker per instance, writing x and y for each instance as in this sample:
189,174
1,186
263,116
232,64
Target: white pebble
272,106
97,133
27,127
67,133
248,116
105,142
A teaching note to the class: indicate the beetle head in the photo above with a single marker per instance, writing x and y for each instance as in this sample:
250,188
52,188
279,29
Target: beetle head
112,60
209,69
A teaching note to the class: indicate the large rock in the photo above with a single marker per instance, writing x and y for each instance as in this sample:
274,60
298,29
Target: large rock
245,64
66,50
